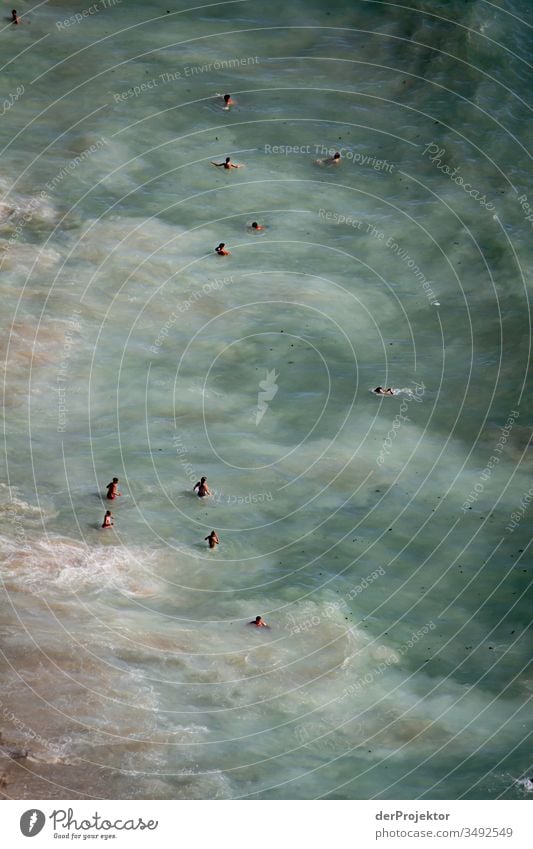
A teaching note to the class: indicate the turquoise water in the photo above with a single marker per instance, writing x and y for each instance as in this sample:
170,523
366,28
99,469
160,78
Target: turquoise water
384,539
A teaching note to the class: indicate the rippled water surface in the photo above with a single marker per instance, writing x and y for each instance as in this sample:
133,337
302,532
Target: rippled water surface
384,539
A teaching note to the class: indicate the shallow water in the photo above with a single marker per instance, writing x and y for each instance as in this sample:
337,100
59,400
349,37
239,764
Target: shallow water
384,546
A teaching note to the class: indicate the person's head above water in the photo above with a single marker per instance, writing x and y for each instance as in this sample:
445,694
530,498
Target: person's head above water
259,622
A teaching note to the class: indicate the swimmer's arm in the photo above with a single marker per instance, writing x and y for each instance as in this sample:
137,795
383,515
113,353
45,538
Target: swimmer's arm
218,164
235,166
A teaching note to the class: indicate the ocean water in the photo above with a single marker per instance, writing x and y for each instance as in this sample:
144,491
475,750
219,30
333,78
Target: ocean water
384,539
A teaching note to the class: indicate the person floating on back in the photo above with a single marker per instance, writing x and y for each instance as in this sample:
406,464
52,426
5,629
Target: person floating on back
112,489
227,164
212,539
202,488
221,249
379,390
258,622
107,520
332,160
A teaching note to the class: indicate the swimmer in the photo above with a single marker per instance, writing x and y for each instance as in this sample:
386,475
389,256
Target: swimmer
258,622
380,391
255,227
112,489
212,539
107,520
227,164
333,160
221,249
202,488
14,17
228,101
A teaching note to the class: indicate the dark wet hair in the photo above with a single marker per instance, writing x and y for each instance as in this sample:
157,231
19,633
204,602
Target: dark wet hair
254,224
257,618
115,480
228,159
227,97
220,246
202,480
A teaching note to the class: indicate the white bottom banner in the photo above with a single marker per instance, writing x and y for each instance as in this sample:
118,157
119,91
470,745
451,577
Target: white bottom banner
310,824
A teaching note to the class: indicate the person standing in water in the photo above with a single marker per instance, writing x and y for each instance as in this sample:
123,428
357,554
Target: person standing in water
212,539
202,488
107,520
112,489
227,164
14,17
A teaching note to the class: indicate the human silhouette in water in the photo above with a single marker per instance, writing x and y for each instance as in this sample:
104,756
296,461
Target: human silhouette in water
107,523
112,489
202,488
259,622
212,539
